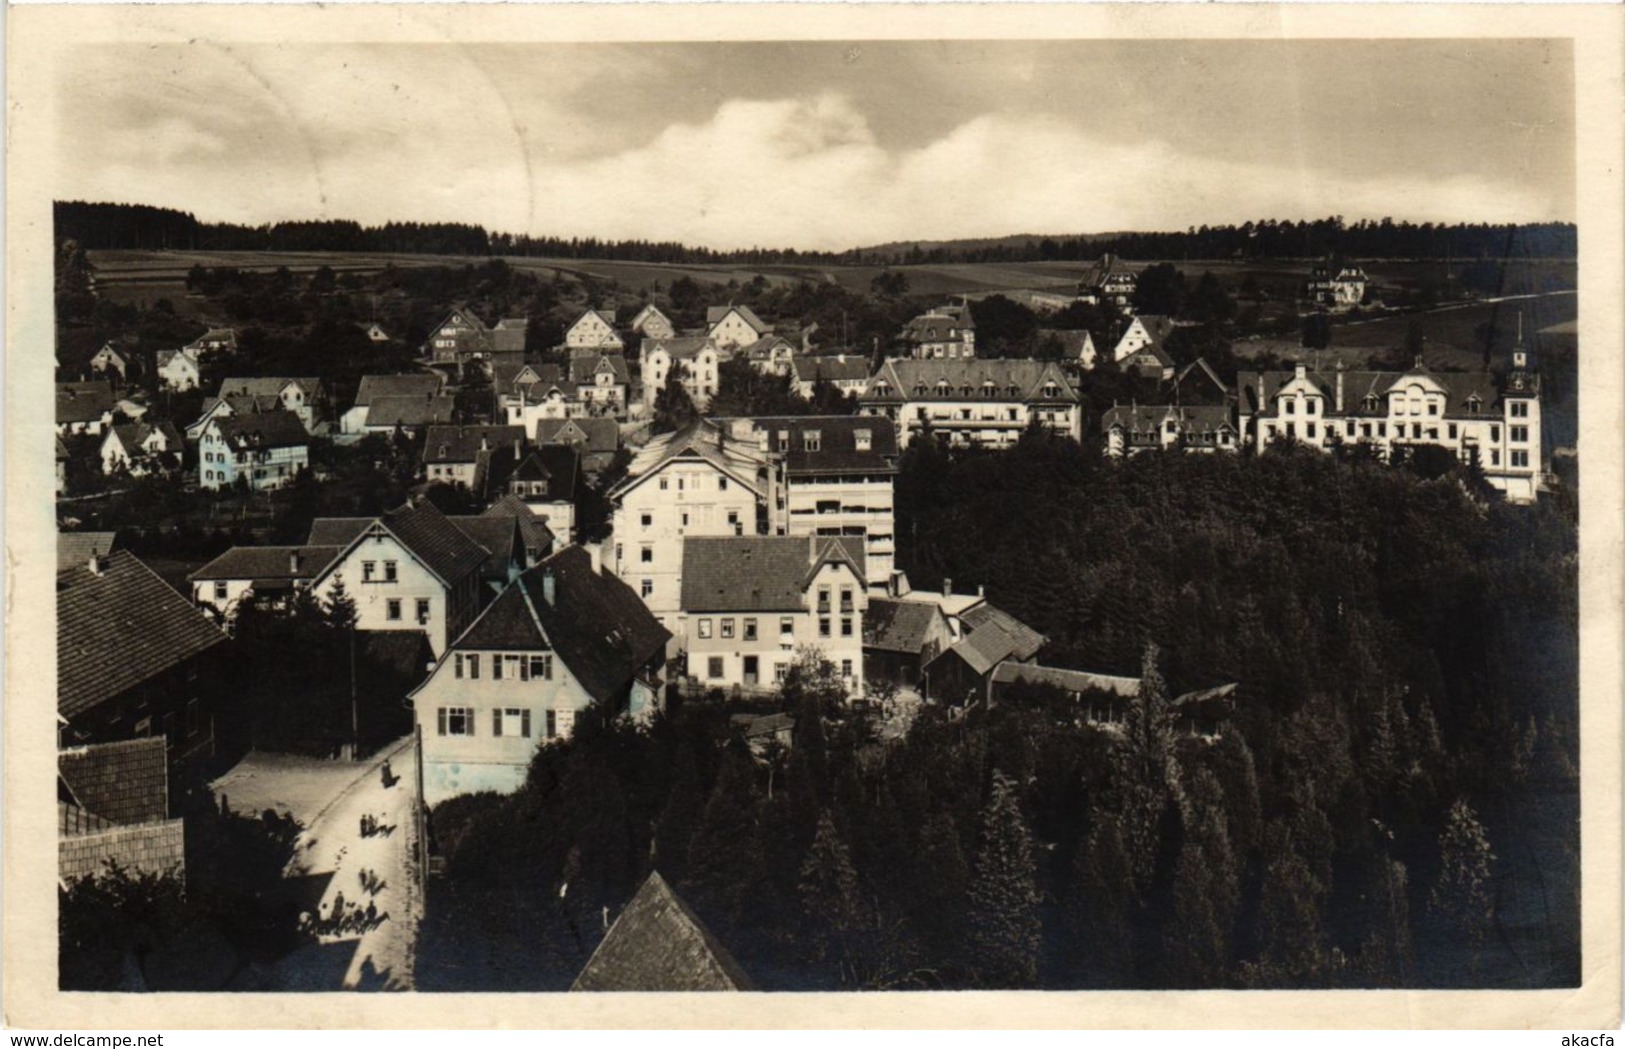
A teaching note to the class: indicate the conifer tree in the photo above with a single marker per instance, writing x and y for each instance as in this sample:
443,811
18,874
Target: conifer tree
1100,912
680,817
1003,894
724,856
831,910
1147,774
1462,896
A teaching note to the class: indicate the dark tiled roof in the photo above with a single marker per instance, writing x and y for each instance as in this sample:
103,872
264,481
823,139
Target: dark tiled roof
898,626
936,325
500,536
124,782
73,549
269,562
532,529
1150,418
680,346
1460,388
82,402
337,531
584,369
461,444
131,435
1072,342
267,386
714,315
756,573
505,377
558,464
658,944
431,537
1025,640
1069,680
405,654
265,430
591,435
596,625
411,410
946,380
831,368
118,629
837,450
376,387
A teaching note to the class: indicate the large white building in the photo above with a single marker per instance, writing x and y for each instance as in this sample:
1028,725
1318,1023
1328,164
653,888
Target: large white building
750,604
696,360
731,327
696,482
594,330
945,332
1470,413
267,450
837,475
974,402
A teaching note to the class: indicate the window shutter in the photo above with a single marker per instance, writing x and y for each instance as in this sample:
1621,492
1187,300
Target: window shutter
442,719
496,667
524,724
469,719
524,668
496,722
552,724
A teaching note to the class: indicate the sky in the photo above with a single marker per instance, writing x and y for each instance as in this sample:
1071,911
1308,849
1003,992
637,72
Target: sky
826,145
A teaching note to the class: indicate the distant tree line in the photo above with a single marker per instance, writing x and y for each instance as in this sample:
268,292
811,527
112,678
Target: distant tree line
140,226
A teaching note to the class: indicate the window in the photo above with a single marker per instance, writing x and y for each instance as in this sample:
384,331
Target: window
647,587
727,626
368,570
423,611
1451,431
823,599
1312,406
713,667
458,663
722,484
705,629
552,724
662,484
863,439
646,555
1312,430
1291,407
846,668
1520,434
496,666
846,599
220,590
646,520
787,625
1495,457
750,629
541,668
393,609
1520,458
456,721
1519,409
812,440
846,626
1495,433
1473,405
511,721
473,660
823,626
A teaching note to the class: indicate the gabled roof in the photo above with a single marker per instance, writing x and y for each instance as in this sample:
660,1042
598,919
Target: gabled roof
118,629
83,402
837,443
607,316
74,548
1025,640
375,388
411,410
585,368
658,944
337,531
1198,376
185,353
833,368
462,444
267,385
592,434
1461,388
1073,343
498,535
124,783
225,335
596,624
715,315
429,535
940,324
532,528
680,347
990,380
1069,680
899,626
1157,326
557,464
759,573
701,439
643,316
133,435
281,429
269,563
1146,418
765,347
507,377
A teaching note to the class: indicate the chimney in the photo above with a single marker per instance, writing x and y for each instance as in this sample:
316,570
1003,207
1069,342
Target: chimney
516,442
549,586
1300,371
947,586
485,442
98,564
293,562
981,591
1339,386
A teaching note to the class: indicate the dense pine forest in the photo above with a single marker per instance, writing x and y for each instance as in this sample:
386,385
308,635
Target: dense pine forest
139,226
1392,803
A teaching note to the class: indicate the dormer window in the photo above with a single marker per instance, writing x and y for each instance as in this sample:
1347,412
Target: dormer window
1474,405
1051,390
1369,404
812,440
784,440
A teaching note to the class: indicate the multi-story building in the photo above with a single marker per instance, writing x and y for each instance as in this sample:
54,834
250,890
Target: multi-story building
847,373
837,478
560,637
409,569
178,369
1130,429
463,339
980,402
594,330
1141,347
694,357
528,392
731,327
1109,283
142,448
1471,413
650,323
749,603
697,481
462,455
942,333
304,397
267,450
599,384
83,407
1335,287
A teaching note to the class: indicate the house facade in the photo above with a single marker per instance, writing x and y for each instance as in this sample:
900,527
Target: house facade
1336,287
1130,429
848,373
974,402
694,482
108,361
267,450
594,330
83,408
650,323
461,455
1110,283
1472,414
731,327
178,370
528,392
463,339
751,604
408,569
560,637
599,384
545,480
696,360
304,397
900,638
264,576
142,448
214,342
943,333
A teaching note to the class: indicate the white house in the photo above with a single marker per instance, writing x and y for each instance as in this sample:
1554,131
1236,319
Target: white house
733,326
528,392
178,369
980,402
750,603
561,637
109,359
304,397
599,382
943,333
695,482
461,455
594,330
1469,413
267,449
1109,283
262,575
1144,331
696,359
1339,287
545,479
650,323
409,569
374,332
141,448
214,341
847,373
